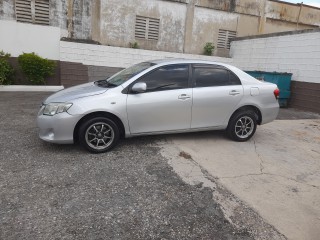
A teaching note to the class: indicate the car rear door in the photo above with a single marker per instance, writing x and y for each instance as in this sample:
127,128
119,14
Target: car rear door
166,104
216,93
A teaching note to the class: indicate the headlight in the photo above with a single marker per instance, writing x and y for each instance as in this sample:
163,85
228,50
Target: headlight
55,108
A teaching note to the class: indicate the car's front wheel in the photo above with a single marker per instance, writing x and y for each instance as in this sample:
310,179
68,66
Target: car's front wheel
99,134
242,125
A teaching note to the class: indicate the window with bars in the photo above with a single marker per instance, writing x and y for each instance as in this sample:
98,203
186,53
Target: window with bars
224,38
147,28
33,11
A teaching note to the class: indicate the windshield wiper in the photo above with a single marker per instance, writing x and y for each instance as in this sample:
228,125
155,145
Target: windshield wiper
104,83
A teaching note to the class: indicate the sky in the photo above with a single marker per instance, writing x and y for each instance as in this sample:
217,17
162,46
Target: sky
315,3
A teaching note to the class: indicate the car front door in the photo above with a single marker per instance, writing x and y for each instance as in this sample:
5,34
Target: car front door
166,103
216,93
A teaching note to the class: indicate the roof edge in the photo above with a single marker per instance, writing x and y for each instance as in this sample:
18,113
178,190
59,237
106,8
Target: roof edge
277,34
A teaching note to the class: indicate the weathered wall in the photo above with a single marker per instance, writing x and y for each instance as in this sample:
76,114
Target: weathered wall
82,12
298,54
58,16
98,55
272,26
72,73
118,23
7,10
23,37
206,25
185,25
292,13
101,72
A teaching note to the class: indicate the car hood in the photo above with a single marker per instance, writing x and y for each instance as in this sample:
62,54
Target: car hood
80,91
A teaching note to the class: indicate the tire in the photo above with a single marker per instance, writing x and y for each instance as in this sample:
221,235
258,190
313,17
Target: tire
242,125
99,134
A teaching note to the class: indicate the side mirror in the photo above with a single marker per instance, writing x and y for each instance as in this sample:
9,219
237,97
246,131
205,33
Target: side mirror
139,87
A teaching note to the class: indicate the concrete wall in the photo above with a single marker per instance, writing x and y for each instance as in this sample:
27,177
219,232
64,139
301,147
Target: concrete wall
87,62
17,38
118,23
298,54
206,25
98,55
185,25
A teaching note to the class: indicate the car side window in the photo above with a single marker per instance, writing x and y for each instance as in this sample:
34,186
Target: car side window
214,77
175,76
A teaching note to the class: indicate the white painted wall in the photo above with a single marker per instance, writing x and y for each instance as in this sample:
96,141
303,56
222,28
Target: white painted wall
298,54
16,38
99,55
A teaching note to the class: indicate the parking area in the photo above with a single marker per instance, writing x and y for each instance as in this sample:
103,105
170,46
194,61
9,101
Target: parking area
277,172
187,186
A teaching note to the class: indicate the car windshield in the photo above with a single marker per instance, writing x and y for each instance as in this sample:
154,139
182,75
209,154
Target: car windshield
124,75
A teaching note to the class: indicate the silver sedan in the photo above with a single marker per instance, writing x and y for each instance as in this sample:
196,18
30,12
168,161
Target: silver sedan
157,97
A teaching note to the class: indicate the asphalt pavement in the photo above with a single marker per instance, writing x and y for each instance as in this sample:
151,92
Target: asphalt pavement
52,191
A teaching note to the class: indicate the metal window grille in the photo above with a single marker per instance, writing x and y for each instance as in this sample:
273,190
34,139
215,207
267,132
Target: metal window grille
33,11
147,28
224,38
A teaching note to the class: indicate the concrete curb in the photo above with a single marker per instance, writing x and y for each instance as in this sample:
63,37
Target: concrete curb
24,88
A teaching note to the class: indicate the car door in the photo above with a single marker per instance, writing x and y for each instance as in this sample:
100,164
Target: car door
166,103
216,93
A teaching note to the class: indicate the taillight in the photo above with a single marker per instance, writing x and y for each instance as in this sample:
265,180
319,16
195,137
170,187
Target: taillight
276,93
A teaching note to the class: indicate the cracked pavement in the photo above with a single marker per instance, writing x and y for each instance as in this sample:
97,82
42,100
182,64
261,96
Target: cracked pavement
52,191
276,173
188,186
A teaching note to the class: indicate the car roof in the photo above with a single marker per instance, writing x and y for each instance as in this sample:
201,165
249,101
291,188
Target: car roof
178,60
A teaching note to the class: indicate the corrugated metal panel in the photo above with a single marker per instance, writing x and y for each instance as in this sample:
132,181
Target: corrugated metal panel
224,38
41,12
23,11
147,28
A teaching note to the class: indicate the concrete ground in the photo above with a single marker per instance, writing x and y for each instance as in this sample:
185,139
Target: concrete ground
52,191
277,172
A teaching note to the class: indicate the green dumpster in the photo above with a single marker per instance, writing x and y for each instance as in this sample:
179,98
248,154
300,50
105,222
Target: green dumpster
283,81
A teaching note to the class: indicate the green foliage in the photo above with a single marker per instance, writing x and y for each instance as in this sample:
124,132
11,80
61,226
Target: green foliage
208,48
6,70
134,45
36,68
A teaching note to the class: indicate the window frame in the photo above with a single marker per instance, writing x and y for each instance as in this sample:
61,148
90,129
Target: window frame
129,88
212,66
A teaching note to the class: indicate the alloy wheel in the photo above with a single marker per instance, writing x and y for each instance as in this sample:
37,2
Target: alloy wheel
244,127
99,135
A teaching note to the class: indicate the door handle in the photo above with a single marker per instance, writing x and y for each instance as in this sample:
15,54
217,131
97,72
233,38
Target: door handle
184,96
234,92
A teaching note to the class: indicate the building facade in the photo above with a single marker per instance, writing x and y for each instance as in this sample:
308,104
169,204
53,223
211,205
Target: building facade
182,26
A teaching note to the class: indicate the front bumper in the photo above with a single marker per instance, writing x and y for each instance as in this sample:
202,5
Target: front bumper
58,128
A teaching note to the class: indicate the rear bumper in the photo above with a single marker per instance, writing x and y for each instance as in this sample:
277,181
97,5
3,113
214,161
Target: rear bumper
58,128
270,113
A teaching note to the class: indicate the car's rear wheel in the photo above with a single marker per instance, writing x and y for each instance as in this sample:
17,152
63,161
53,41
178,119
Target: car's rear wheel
99,134
242,125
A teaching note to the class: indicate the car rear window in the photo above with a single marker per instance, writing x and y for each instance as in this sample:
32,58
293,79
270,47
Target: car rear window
212,77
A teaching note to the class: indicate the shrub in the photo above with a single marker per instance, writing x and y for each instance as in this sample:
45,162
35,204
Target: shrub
208,48
134,45
6,70
36,68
